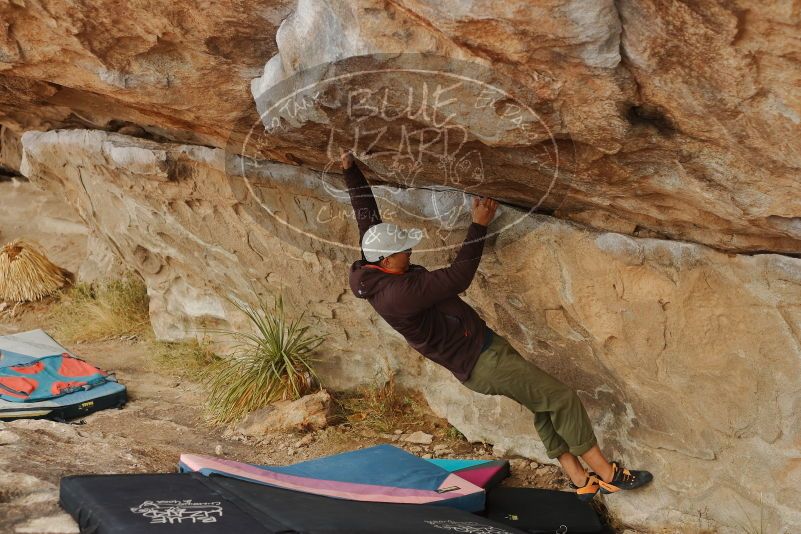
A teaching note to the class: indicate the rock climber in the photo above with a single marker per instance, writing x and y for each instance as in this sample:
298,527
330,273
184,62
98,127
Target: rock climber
425,308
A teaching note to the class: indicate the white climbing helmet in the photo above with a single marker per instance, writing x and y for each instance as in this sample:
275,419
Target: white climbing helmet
384,239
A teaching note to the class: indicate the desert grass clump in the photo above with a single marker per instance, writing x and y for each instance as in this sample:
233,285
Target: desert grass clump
750,526
103,310
452,433
382,409
187,359
27,275
271,363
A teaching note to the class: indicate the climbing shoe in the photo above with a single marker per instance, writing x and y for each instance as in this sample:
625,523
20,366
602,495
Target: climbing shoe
625,479
590,488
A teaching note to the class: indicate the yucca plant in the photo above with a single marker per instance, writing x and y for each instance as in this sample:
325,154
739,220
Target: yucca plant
272,363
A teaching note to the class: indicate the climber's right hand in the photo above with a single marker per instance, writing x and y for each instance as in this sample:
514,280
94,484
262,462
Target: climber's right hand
484,210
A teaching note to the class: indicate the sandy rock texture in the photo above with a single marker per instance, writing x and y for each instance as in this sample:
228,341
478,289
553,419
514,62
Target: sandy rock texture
10,152
180,70
670,119
44,218
687,358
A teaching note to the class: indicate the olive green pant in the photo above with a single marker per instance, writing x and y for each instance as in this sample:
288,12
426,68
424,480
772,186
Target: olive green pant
559,417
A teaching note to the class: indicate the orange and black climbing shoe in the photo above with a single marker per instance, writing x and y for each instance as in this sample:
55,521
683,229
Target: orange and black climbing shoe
625,479
586,492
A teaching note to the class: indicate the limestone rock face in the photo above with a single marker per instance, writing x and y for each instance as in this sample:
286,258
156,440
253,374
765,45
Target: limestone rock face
10,151
45,219
173,68
687,358
668,120
663,120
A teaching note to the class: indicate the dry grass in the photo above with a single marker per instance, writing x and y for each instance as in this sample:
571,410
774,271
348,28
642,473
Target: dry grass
383,409
754,525
452,433
93,312
27,275
187,359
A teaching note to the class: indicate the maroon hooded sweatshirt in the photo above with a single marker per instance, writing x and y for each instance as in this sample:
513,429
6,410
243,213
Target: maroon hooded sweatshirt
424,306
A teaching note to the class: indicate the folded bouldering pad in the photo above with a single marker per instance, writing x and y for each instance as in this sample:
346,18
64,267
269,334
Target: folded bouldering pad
40,379
375,474
483,473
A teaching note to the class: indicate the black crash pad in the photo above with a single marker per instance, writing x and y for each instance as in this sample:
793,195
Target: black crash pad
184,503
536,510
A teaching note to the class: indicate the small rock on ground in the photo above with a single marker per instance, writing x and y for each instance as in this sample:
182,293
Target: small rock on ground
7,437
304,441
311,412
419,437
56,524
518,464
499,451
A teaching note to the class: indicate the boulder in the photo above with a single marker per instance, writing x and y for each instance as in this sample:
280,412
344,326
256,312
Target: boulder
654,117
170,69
628,322
662,120
310,412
